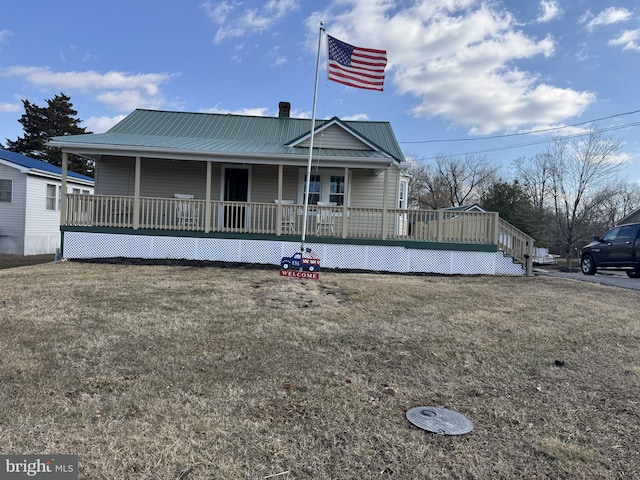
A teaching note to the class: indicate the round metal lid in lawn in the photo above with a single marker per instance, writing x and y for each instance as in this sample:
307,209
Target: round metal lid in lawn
439,420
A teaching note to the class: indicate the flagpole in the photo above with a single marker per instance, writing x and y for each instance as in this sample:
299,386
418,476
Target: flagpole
313,128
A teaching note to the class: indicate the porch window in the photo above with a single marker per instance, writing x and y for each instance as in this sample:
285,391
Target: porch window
324,187
6,188
52,197
402,197
314,189
336,189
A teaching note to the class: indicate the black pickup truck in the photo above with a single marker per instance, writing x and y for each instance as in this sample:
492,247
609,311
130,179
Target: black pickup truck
618,249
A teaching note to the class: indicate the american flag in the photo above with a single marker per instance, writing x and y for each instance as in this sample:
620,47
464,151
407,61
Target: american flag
356,67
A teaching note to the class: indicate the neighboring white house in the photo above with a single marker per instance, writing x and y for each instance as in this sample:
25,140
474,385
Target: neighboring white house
30,192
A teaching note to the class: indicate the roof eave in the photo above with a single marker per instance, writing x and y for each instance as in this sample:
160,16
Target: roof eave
97,150
57,176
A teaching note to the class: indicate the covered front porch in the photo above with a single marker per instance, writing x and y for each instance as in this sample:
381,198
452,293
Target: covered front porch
190,217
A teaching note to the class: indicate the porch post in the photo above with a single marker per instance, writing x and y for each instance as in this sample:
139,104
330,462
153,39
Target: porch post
439,225
384,204
279,206
207,196
136,195
495,230
63,189
345,209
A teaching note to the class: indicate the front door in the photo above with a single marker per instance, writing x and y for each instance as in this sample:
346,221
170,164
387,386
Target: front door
236,189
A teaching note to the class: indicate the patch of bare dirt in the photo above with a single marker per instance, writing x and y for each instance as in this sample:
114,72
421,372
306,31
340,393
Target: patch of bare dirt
294,294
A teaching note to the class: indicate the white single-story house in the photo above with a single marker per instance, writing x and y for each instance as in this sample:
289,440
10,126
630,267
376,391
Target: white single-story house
231,188
30,195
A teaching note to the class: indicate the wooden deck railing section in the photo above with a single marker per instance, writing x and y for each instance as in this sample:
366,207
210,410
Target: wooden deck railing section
282,219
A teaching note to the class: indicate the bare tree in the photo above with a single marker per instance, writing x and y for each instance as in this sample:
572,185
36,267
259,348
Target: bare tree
614,203
450,181
534,174
580,172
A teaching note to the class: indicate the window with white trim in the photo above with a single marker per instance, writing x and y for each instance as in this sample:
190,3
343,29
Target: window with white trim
314,189
403,194
6,190
324,187
52,197
336,189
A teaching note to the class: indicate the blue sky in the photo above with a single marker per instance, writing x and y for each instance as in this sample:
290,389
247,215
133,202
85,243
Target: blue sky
459,70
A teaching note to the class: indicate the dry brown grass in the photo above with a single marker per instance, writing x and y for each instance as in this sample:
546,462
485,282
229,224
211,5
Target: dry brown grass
10,261
158,372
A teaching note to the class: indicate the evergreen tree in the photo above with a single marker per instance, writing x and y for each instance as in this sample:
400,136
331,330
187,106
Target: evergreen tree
40,124
514,206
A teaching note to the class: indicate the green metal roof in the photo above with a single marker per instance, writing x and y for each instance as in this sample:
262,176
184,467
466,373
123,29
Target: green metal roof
238,134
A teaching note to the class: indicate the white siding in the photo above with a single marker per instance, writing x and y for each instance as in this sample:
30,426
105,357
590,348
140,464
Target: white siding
115,176
42,226
158,178
12,214
336,137
26,226
163,178
368,188
264,183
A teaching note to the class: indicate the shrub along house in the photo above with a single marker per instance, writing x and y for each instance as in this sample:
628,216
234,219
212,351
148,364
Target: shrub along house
179,185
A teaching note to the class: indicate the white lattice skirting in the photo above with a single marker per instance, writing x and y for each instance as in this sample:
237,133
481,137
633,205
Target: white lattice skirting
397,259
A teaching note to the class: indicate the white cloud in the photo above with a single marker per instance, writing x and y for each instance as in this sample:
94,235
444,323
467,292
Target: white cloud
251,111
356,117
608,16
460,58
127,100
260,112
4,36
119,90
101,124
277,58
9,107
628,40
235,20
549,9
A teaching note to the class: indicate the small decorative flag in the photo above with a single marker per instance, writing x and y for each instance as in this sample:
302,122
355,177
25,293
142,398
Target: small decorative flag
356,67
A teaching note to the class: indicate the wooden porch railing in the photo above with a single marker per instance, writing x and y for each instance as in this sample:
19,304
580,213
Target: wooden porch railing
286,219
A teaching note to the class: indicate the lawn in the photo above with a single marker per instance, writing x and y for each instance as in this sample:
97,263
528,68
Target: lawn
174,372
11,261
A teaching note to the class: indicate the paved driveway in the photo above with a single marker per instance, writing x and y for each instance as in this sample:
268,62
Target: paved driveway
614,279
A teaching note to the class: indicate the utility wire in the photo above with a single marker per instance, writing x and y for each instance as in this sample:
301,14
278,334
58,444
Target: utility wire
533,142
544,130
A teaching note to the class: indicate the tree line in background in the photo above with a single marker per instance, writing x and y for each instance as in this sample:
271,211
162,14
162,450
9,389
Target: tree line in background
562,197
40,124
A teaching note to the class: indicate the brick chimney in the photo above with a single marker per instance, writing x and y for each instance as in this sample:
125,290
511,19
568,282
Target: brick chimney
284,109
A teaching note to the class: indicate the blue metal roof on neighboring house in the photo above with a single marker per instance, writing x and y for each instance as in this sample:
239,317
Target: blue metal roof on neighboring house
224,133
33,164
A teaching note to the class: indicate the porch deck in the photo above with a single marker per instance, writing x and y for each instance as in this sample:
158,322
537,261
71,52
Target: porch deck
279,219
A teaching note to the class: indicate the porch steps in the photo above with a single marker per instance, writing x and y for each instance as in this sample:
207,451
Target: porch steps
507,265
